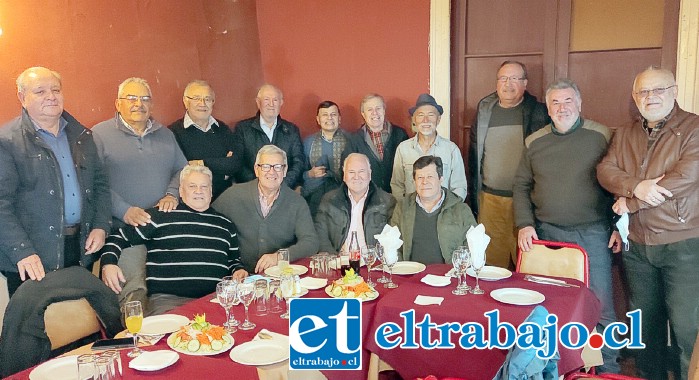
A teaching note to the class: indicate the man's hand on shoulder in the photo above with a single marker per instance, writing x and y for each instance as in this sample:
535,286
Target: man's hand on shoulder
31,267
113,277
525,237
136,216
95,241
167,203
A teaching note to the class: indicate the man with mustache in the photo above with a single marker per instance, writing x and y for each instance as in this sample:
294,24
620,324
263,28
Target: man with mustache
143,161
652,167
557,197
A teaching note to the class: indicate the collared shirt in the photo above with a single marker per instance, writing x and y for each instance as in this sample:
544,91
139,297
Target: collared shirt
371,140
147,130
435,208
268,129
72,202
266,203
188,122
356,222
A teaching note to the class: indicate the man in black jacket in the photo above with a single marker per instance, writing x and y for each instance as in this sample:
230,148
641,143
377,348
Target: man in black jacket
265,128
504,119
54,193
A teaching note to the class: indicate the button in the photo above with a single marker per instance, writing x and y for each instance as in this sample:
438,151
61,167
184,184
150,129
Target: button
51,228
52,192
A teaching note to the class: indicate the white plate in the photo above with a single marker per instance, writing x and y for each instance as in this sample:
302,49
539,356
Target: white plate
490,273
162,324
517,296
260,352
370,297
438,281
275,271
59,368
154,360
406,267
226,347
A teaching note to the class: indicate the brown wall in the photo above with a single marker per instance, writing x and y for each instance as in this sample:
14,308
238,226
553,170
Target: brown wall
342,50
97,44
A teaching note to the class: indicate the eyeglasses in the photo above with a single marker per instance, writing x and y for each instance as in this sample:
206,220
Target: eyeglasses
266,167
196,99
504,79
134,98
654,91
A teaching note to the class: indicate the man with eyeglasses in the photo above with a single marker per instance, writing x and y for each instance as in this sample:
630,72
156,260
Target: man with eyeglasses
504,119
205,140
143,161
653,169
267,127
268,216
557,198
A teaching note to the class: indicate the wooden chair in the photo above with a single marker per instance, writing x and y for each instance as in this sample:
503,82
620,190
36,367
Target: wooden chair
694,362
557,259
69,321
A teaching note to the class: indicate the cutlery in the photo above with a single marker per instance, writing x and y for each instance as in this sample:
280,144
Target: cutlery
549,281
263,335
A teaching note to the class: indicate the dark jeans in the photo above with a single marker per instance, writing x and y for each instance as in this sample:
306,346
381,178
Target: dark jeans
664,283
71,251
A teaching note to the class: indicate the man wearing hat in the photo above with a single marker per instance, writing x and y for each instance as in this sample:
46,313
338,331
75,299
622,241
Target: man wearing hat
425,117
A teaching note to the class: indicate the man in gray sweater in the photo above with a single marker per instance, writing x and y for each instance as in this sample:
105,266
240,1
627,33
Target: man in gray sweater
268,216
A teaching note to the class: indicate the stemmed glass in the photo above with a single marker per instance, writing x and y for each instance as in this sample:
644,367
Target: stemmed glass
246,292
477,265
369,257
226,294
379,254
236,301
390,263
456,260
465,263
133,316
286,288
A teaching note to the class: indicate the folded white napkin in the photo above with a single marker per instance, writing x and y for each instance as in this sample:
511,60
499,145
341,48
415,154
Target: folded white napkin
477,243
390,241
434,280
623,226
450,273
154,360
427,300
314,283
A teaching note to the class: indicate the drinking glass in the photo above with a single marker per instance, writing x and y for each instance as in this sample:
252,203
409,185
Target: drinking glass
275,298
390,264
115,362
86,367
104,368
236,301
456,260
477,266
246,292
133,316
369,257
379,254
226,293
286,288
261,297
282,259
465,263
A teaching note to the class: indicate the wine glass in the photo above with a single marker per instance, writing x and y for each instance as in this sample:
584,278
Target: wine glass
465,263
133,317
246,292
390,262
286,288
477,265
379,254
369,257
456,261
226,293
236,301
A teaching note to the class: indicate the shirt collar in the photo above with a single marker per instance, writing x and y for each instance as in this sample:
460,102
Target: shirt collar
62,122
361,200
572,129
263,124
188,122
436,207
149,126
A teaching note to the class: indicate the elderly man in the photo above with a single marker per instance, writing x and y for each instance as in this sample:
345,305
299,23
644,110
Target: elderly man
205,140
323,151
267,127
358,205
189,249
425,118
652,168
143,161
54,192
557,198
504,119
431,211
377,139
269,216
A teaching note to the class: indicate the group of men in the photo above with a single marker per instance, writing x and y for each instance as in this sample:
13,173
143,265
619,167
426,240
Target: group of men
189,204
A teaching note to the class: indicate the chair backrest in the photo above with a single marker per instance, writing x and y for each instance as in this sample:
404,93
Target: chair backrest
694,362
68,321
557,259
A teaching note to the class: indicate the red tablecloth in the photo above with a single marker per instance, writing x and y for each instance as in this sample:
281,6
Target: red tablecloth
569,304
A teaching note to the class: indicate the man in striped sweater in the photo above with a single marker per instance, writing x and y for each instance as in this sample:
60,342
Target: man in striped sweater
189,249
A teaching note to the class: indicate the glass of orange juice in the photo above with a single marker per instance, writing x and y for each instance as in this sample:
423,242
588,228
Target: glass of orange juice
133,316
